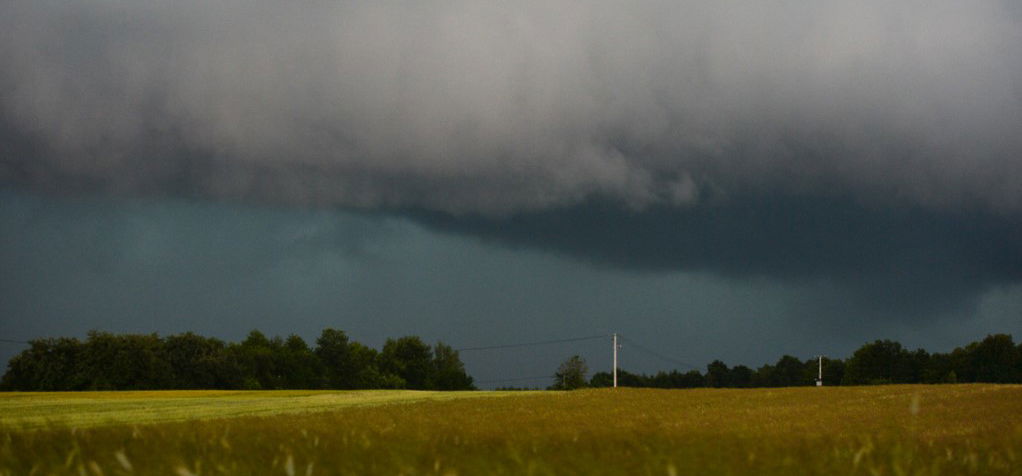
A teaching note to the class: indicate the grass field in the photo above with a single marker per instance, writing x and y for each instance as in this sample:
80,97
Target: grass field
887,430
29,410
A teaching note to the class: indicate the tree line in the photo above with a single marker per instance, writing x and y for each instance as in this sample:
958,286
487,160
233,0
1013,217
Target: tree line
105,361
995,359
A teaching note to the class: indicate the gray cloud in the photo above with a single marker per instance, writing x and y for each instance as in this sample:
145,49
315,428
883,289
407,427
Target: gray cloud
903,263
873,146
494,108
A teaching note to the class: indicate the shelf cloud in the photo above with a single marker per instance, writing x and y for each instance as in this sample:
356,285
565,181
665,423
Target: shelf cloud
865,142
498,108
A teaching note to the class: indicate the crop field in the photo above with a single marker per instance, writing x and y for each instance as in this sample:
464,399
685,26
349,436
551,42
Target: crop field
882,430
30,410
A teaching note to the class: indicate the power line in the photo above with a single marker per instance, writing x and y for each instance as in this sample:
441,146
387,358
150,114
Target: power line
657,354
527,344
9,341
632,344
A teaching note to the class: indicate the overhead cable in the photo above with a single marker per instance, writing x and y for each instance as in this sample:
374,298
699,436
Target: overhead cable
654,353
527,344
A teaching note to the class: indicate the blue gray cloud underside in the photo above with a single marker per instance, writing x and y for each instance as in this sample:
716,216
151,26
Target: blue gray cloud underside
896,260
872,144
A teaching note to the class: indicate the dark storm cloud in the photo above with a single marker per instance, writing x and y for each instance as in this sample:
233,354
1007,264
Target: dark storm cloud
493,107
872,143
899,261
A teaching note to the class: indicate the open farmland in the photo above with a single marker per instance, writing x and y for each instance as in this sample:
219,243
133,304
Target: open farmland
30,410
911,429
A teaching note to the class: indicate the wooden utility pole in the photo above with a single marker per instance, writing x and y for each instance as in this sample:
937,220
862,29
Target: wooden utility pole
615,360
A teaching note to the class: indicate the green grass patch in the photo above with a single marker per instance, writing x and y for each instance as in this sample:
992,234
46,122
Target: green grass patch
884,430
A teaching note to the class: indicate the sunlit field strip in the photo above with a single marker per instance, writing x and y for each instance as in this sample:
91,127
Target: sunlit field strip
87,409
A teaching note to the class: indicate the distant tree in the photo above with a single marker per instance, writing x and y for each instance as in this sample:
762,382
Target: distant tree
365,362
937,369
963,362
448,370
47,364
227,369
672,379
740,376
410,359
790,371
717,374
601,380
665,379
914,367
624,379
882,361
258,359
833,371
691,379
146,361
764,377
995,359
195,361
299,366
628,379
1018,363
675,379
339,366
571,374
124,362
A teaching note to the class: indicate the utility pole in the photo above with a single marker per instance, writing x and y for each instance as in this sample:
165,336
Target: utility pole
615,360
819,376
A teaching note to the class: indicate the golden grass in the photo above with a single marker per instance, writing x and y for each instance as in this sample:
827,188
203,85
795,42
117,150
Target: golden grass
27,410
888,430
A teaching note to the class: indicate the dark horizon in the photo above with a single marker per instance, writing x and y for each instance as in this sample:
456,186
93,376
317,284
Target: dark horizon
716,179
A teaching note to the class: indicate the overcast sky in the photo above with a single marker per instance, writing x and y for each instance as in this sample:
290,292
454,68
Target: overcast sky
717,179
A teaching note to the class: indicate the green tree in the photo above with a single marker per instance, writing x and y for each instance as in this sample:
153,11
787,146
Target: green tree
833,371
124,362
334,353
628,379
410,359
882,361
717,374
571,374
47,364
367,371
691,379
790,372
676,379
913,367
601,380
764,377
937,368
1018,363
995,360
740,376
257,358
195,361
448,370
299,366
963,363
